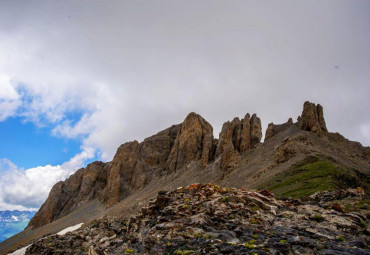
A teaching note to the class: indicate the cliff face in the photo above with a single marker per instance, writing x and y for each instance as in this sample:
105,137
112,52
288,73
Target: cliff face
194,142
84,185
237,137
312,118
135,163
190,145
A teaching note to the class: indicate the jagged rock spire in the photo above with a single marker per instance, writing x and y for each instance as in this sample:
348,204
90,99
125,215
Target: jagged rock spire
237,137
312,118
193,142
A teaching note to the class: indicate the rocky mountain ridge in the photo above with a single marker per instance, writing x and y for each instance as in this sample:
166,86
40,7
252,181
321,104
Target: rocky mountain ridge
295,160
191,145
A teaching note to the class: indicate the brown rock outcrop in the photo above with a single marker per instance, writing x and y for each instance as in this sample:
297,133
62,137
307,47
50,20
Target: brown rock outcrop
312,118
236,137
131,168
256,130
156,149
125,164
84,185
134,164
229,142
193,142
245,133
273,129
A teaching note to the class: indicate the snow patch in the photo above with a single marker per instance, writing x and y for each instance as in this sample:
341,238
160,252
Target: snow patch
66,230
22,251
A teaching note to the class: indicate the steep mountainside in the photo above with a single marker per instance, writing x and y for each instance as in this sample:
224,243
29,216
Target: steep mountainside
296,159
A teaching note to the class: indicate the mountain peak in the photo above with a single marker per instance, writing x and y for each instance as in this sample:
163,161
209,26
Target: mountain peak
312,118
193,142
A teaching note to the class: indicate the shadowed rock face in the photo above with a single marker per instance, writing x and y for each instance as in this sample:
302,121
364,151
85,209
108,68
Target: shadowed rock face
193,142
125,164
84,185
256,130
135,163
312,118
237,137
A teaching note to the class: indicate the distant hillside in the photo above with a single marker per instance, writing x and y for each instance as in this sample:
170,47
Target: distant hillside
13,222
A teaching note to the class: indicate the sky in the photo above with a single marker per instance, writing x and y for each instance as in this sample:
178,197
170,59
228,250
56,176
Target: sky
79,78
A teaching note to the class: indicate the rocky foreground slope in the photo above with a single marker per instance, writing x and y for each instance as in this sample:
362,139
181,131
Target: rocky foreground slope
209,219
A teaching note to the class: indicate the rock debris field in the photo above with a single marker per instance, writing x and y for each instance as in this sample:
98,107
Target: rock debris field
209,219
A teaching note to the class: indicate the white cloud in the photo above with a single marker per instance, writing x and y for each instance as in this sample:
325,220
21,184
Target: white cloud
27,189
9,98
7,165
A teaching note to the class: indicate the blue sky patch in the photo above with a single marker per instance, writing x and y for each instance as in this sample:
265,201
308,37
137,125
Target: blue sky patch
29,146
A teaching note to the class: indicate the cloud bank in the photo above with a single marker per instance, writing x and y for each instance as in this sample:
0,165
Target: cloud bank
130,69
27,189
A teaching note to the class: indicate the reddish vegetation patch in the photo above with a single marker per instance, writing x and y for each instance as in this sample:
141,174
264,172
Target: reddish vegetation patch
267,193
337,207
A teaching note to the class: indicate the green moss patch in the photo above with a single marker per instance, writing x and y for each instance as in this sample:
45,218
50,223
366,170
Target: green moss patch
312,175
